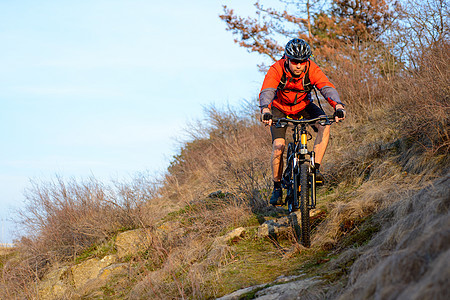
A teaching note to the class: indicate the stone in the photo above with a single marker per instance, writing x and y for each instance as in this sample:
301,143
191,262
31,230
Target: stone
274,228
55,284
239,294
236,233
90,269
283,226
131,242
112,270
289,290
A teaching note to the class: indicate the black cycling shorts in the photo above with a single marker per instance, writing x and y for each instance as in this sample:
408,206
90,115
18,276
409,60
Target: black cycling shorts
311,111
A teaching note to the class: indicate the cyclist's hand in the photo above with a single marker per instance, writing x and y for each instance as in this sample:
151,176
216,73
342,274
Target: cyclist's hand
340,113
266,116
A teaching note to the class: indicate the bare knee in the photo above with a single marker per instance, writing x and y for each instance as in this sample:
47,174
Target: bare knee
323,130
278,147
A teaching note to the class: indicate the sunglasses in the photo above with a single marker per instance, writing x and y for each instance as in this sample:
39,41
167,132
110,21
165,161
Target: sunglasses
296,61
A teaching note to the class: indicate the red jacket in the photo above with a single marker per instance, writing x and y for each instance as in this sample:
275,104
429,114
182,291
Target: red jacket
291,100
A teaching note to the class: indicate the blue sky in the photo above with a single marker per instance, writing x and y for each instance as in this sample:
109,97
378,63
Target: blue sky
104,88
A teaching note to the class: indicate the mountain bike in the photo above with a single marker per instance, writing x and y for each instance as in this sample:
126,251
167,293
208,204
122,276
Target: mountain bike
299,177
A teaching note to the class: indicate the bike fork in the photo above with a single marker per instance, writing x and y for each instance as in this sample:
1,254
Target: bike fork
312,202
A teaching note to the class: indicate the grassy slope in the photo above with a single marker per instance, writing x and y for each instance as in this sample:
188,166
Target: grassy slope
357,209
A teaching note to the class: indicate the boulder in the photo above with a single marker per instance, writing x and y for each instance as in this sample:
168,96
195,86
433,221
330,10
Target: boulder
92,288
284,287
219,248
277,228
236,233
290,290
132,242
90,269
284,226
55,284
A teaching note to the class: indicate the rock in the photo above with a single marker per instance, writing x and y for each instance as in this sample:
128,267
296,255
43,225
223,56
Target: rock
67,281
219,249
55,284
219,194
290,290
284,287
236,233
279,227
112,270
90,269
131,242
92,288
284,226
240,293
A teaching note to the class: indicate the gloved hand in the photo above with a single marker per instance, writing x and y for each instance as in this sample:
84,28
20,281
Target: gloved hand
266,116
339,114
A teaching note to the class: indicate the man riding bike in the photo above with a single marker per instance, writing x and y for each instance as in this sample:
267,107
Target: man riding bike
286,91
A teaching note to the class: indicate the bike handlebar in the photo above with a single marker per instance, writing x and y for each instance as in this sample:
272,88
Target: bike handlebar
326,120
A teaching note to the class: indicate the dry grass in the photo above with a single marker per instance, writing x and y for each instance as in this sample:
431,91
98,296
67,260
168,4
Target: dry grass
408,259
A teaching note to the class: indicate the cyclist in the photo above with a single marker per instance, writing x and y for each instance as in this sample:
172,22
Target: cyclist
286,91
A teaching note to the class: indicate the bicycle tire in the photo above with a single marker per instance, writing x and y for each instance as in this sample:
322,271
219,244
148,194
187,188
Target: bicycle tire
304,206
293,205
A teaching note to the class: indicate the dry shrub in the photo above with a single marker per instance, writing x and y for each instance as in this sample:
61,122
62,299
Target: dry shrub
232,154
423,101
365,85
218,178
353,201
403,113
15,279
64,218
361,80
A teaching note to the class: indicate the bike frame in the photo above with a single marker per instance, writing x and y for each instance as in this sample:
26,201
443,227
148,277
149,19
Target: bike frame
300,154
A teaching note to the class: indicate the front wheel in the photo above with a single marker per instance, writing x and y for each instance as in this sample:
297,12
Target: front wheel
288,177
304,205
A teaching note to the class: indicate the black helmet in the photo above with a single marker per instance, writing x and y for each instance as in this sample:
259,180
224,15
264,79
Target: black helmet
297,49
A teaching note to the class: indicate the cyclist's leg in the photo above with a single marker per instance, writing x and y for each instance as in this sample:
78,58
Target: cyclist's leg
321,142
278,145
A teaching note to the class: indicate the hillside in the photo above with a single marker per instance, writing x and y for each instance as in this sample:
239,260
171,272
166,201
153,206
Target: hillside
383,233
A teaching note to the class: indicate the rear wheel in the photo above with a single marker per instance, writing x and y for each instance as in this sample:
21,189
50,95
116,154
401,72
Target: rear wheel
304,207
